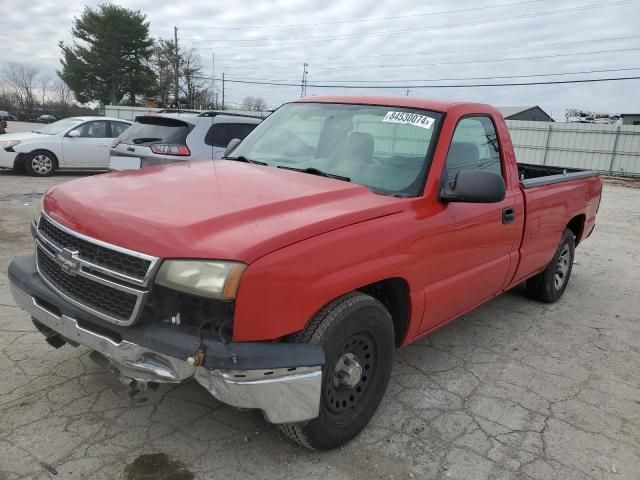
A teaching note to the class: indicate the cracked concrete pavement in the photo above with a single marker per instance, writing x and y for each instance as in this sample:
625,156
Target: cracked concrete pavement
514,390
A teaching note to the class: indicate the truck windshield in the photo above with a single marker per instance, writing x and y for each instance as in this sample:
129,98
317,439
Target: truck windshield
384,148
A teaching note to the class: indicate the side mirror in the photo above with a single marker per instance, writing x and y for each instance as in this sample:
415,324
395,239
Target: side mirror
475,186
233,143
73,134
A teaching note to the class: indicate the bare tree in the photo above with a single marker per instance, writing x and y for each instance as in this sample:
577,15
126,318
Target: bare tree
256,104
162,64
191,76
62,92
21,78
44,86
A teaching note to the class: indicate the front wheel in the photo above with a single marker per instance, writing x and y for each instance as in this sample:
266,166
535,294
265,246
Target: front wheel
549,285
40,163
356,332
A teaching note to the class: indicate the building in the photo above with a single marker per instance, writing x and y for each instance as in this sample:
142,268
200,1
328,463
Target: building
630,118
532,114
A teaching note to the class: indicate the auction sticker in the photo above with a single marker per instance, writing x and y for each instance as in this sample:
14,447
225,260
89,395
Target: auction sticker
407,118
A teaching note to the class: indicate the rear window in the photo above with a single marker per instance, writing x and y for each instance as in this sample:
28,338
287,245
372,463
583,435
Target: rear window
148,130
220,134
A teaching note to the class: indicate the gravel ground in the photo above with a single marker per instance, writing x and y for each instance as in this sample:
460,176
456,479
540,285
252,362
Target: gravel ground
515,390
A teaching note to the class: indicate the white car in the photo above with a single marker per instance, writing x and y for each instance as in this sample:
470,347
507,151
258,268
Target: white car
78,143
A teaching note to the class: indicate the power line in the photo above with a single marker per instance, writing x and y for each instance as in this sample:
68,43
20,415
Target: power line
497,77
493,60
362,20
326,38
476,85
450,52
465,62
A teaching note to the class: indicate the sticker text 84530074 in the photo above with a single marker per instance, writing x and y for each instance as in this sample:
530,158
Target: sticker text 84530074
407,118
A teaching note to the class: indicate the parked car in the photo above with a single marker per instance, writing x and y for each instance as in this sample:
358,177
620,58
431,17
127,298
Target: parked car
46,119
72,143
160,139
4,115
284,277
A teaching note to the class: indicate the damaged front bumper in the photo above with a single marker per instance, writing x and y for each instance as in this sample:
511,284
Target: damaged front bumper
283,380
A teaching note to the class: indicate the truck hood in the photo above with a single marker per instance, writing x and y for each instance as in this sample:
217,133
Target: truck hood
218,210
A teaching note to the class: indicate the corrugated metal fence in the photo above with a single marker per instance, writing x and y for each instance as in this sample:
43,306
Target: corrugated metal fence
611,149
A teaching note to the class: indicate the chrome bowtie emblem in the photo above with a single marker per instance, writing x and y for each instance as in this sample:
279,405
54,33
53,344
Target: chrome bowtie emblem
68,262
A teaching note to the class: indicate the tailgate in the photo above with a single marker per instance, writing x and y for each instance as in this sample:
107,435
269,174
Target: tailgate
135,146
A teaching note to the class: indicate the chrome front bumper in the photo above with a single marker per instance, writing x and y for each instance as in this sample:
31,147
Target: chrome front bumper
285,395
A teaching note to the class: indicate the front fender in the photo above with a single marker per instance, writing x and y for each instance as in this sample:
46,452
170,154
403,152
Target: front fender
281,292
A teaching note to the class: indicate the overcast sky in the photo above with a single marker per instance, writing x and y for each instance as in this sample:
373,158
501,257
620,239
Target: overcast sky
396,41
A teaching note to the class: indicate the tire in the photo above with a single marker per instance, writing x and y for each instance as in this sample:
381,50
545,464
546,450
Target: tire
356,332
549,285
40,163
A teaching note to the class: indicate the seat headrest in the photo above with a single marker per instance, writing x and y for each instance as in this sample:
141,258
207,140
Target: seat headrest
463,151
359,146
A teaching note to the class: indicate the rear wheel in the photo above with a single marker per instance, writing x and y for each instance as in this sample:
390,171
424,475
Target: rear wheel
356,332
40,163
549,285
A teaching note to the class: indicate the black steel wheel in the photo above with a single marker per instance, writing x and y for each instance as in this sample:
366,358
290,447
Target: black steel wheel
357,334
549,285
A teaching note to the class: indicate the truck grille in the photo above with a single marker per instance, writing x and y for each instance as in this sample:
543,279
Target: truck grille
114,303
109,282
121,262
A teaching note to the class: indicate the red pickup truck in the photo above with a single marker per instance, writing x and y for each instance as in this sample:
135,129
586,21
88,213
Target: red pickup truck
283,277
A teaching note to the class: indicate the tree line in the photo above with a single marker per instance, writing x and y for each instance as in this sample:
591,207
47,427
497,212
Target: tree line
112,60
26,93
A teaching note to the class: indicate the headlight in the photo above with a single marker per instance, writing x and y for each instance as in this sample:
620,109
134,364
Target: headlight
212,279
37,207
9,143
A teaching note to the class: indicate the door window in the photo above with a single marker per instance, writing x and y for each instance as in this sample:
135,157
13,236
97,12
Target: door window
474,147
241,130
97,129
117,128
220,134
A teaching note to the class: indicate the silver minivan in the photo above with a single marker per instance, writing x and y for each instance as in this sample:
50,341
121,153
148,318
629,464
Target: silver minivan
170,138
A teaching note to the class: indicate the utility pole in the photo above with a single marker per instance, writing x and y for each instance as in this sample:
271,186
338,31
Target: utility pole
176,89
305,71
222,90
213,81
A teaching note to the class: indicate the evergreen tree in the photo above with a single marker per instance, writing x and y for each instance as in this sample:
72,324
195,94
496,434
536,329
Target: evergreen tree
109,58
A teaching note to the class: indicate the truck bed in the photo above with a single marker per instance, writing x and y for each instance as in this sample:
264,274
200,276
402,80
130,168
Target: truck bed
537,175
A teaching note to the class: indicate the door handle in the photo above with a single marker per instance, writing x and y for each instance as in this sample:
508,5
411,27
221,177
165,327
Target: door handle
508,215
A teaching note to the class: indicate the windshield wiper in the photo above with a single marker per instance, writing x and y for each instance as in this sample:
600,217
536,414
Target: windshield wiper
138,141
246,160
316,171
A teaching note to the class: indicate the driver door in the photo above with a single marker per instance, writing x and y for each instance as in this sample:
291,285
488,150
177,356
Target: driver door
472,242
90,149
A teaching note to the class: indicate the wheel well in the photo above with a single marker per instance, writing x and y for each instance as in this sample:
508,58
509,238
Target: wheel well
576,225
393,293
